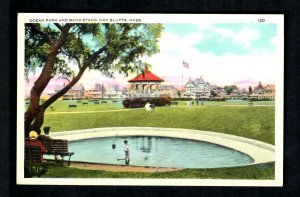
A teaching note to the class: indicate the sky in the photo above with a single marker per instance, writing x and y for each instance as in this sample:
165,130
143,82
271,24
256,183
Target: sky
223,54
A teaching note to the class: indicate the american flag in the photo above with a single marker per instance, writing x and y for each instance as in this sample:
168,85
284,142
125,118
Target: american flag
185,65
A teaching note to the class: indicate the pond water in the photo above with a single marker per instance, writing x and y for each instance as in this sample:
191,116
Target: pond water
158,152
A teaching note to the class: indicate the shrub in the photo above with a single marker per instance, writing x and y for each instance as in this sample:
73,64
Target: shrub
140,102
126,103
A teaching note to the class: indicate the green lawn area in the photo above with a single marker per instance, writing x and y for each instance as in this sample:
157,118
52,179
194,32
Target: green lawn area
246,121
63,106
260,171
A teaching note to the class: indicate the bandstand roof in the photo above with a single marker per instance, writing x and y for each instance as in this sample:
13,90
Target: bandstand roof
149,76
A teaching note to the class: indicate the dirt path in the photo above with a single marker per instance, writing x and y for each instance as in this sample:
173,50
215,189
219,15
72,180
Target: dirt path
87,112
119,168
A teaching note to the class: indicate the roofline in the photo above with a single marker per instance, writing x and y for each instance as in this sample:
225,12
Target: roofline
132,80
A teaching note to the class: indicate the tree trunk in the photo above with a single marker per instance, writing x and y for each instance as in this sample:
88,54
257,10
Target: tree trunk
34,115
37,123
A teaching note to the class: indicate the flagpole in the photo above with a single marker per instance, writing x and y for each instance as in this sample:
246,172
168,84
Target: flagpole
181,80
184,65
182,84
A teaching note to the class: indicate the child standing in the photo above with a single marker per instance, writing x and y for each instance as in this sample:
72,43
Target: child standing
127,150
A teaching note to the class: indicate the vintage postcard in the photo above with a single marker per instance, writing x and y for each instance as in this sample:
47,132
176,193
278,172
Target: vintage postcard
150,99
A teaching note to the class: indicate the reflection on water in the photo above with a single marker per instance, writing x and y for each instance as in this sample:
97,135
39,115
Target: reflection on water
145,144
158,152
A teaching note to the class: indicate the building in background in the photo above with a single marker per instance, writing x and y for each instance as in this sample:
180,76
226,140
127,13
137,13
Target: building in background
113,92
261,92
75,93
169,91
197,89
97,92
146,84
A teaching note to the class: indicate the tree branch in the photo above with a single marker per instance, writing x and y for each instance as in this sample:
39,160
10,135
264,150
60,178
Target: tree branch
63,36
78,62
58,26
64,90
87,63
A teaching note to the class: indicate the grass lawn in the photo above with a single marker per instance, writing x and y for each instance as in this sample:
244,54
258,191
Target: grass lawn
260,171
63,106
251,122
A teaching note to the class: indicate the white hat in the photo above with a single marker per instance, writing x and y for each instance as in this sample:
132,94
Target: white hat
33,135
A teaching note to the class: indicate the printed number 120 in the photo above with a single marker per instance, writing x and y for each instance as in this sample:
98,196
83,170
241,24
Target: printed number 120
261,20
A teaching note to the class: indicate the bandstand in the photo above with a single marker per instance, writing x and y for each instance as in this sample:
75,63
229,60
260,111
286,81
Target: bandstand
145,85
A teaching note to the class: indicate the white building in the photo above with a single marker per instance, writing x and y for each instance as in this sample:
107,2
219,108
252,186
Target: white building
97,92
169,91
113,92
196,89
75,93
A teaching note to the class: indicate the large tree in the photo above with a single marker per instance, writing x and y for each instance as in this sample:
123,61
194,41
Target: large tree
55,49
229,89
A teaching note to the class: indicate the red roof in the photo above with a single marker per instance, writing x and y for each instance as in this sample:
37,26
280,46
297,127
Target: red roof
149,76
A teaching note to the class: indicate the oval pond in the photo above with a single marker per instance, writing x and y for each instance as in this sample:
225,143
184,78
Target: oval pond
158,152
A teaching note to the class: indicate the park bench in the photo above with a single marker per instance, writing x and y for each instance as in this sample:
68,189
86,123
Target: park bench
72,106
174,103
58,147
33,158
85,103
115,101
103,101
96,102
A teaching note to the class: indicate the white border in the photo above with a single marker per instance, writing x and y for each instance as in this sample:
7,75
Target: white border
155,18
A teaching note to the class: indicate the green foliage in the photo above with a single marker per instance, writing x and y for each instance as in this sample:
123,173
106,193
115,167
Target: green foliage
213,93
250,90
121,46
230,89
140,102
260,85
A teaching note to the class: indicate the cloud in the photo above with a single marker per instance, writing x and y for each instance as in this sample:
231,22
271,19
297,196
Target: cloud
273,40
222,32
172,43
228,67
246,36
